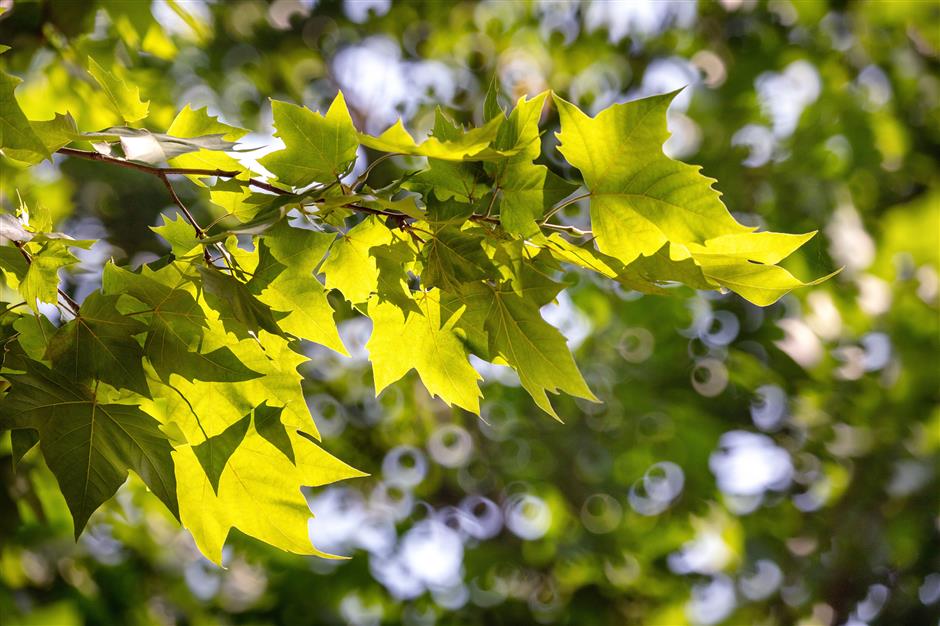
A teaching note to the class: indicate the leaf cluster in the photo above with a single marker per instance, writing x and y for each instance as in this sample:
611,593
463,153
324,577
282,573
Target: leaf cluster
184,371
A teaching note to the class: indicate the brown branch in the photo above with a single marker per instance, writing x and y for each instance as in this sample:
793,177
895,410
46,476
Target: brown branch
163,172
171,171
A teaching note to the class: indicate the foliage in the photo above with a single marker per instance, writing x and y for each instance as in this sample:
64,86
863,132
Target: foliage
858,431
429,263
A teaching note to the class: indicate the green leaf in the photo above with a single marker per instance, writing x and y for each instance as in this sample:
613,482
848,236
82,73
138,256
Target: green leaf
452,256
317,147
259,474
22,440
57,132
177,331
294,288
640,198
190,123
214,452
426,341
760,284
268,424
473,145
526,190
124,99
239,310
42,278
491,108
213,408
35,334
462,181
11,259
763,247
89,446
517,335
99,344
178,233
18,140
350,267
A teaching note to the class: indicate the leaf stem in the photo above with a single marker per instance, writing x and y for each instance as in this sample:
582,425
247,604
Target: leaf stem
362,178
576,232
558,207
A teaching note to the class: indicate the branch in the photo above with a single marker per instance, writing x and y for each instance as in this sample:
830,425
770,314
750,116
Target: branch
163,172
170,171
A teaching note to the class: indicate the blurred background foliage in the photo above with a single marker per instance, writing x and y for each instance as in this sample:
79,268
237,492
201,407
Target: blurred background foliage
747,466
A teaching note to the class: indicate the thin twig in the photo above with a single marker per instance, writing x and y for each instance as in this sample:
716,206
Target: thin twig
182,207
576,232
362,178
555,209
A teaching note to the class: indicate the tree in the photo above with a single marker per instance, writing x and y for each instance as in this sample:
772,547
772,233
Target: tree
184,370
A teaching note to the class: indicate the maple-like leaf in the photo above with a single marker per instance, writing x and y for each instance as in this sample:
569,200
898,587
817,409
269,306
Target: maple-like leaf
317,147
426,341
18,140
640,198
89,446
99,344
177,331
124,98
258,473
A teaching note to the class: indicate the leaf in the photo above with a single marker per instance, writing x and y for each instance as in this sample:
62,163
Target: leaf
99,344
139,144
760,284
57,132
317,147
463,181
88,446
190,123
18,140
491,108
177,331
640,198
350,267
294,288
240,311
526,190
473,145
214,452
11,259
22,440
426,341
178,233
517,335
763,247
34,335
124,99
452,256
197,408
257,473
268,424
42,278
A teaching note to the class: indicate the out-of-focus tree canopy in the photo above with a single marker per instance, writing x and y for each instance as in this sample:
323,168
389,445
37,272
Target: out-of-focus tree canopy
746,465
